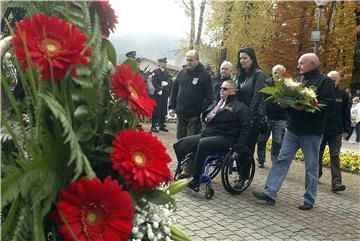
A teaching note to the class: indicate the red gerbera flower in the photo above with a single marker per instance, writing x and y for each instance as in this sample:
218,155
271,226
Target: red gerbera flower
286,75
53,44
130,85
107,16
141,158
96,211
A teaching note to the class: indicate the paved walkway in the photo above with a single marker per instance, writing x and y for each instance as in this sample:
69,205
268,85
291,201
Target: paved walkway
228,217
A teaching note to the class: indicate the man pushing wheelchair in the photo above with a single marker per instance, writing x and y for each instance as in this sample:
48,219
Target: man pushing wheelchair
225,124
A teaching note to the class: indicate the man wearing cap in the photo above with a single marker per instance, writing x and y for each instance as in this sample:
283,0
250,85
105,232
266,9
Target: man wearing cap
131,60
191,94
161,81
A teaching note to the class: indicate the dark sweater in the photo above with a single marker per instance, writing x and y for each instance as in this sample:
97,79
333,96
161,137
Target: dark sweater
338,121
307,122
192,92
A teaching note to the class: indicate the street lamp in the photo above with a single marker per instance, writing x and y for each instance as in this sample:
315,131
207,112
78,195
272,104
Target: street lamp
315,35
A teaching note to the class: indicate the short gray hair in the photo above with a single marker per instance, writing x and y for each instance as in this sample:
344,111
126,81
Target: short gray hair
278,68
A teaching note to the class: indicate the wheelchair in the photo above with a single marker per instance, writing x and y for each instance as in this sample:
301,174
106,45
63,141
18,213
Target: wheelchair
232,171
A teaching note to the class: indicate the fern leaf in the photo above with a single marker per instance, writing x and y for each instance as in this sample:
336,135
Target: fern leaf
82,163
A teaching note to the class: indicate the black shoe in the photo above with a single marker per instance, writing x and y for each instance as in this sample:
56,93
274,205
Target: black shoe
194,185
306,206
338,188
264,197
154,129
163,128
260,165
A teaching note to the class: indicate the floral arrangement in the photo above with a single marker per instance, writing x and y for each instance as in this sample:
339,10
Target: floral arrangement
76,165
287,92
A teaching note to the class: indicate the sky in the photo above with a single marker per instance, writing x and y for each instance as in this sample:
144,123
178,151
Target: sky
155,16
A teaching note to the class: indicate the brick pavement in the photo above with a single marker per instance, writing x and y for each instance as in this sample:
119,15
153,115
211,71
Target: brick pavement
228,217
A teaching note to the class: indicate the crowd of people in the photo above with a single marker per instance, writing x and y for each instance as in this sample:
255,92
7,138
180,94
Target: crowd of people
230,111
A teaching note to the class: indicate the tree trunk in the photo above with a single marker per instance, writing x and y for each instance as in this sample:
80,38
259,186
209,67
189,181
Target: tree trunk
200,24
192,25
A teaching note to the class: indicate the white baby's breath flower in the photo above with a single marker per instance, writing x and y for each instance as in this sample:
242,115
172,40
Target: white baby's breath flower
156,225
135,230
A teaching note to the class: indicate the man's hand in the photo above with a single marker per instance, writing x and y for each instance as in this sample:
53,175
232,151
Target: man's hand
344,135
172,112
160,92
164,83
298,107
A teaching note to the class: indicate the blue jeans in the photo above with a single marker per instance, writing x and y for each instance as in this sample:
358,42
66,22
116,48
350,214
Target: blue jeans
277,129
310,145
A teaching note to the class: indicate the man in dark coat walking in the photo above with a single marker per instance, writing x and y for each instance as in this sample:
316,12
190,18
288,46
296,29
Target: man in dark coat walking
191,94
336,128
161,81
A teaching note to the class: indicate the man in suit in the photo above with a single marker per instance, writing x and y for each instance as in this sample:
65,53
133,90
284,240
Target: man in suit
161,81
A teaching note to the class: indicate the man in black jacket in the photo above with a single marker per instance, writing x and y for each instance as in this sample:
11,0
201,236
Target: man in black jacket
337,126
276,120
161,81
305,130
191,94
226,124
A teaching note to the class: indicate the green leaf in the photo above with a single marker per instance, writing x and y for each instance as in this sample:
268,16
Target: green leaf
178,235
82,163
157,197
90,95
110,50
83,113
85,132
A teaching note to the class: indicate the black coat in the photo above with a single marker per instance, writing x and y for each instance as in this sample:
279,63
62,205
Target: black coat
307,122
191,92
248,90
338,120
232,121
272,109
160,109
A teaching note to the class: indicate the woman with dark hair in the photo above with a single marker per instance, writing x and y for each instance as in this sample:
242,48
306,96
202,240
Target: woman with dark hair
250,80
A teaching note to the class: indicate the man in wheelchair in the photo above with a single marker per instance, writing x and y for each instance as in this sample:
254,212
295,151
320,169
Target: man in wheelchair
225,125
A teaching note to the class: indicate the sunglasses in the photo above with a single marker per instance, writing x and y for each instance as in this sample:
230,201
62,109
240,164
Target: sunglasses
224,88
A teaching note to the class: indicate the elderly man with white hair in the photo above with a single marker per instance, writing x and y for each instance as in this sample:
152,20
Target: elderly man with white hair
337,127
304,130
276,120
225,74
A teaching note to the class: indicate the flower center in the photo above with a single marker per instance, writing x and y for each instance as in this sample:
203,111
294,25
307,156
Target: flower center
139,159
91,218
50,46
133,92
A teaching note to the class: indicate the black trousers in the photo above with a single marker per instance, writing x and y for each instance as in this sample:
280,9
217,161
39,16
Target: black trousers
160,110
202,147
334,142
187,126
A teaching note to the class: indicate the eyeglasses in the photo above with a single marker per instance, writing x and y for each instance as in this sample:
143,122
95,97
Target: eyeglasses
224,88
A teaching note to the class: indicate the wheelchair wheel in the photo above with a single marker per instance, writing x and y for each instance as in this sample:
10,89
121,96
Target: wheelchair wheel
232,171
215,168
